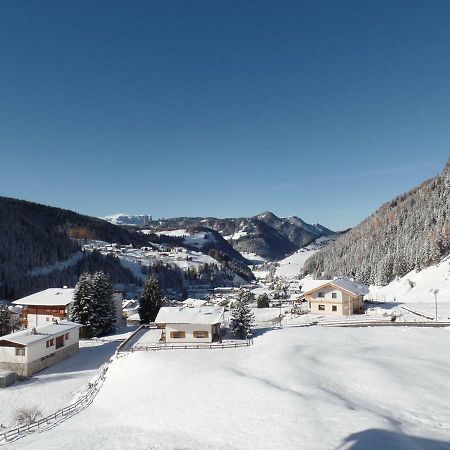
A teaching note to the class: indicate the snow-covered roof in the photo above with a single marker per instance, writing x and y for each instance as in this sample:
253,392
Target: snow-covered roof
346,284
351,286
194,302
49,297
27,337
204,315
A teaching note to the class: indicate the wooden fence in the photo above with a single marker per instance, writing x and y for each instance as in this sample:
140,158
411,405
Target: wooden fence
42,424
155,347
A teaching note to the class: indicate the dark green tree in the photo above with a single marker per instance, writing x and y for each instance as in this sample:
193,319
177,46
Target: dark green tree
263,301
82,311
242,317
5,320
104,312
151,300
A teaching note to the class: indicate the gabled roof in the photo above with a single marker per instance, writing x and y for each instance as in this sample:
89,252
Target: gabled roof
49,297
27,337
208,315
345,284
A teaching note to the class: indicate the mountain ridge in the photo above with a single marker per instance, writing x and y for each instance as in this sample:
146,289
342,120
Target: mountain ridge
264,234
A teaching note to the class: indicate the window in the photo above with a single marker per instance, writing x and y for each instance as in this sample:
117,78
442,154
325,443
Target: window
334,308
333,295
201,334
321,307
177,334
59,342
20,351
50,343
67,336
321,295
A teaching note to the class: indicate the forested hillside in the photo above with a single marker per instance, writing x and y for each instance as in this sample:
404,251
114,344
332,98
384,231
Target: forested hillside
410,232
34,236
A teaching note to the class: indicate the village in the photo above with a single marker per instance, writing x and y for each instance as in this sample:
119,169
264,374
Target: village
45,343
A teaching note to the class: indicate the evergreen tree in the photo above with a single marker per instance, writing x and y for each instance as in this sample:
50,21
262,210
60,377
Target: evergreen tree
103,308
5,320
263,301
242,317
151,300
82,311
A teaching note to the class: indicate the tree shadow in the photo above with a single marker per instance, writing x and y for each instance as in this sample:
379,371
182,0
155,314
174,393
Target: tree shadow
379,439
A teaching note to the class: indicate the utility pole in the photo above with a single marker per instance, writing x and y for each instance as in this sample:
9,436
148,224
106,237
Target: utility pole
435,292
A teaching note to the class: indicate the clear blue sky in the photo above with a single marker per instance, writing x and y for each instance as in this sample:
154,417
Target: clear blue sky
321,109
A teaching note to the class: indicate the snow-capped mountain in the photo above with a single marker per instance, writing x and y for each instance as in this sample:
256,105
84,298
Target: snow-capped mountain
265,234
140,220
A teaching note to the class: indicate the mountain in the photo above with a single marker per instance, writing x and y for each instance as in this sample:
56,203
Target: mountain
34,238
410,232
265,234
40,247
128,219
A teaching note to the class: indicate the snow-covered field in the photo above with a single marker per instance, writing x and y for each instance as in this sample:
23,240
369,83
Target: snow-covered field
296,388
54,387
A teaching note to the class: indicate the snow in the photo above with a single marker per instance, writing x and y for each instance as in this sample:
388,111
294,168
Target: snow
296,388
41,333
292,265
48,297
54,387
60,265
177,233
185,314
415,286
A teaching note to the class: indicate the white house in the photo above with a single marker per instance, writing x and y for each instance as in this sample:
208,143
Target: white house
185,324
28,351
43,307
340,297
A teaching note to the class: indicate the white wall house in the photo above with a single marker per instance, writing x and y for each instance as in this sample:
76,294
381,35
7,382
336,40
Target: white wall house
28,351
43,307
340,297
186,324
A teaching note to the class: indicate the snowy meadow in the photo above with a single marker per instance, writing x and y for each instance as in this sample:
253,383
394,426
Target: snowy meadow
296,388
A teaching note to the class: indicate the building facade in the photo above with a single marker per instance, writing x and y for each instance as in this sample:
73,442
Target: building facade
29,351
340,297
187,324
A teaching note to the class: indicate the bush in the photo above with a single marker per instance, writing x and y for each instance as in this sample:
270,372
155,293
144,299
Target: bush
27,416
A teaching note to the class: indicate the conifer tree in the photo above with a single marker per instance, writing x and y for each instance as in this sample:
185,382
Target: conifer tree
5,320
81,311
242,317
263,301
104,312
151,300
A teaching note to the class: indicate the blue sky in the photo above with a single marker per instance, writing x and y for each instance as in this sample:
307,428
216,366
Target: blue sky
321,109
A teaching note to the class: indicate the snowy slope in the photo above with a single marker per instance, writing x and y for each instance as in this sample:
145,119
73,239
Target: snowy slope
415,287
291,266
294,389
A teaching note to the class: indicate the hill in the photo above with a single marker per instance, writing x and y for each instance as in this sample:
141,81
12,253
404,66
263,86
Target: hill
410,232
265,234
34,238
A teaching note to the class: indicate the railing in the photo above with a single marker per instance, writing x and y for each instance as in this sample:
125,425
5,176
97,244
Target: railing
143,347
41,424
